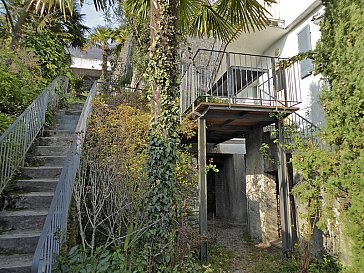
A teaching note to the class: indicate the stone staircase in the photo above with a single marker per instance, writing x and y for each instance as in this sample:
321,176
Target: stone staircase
27,202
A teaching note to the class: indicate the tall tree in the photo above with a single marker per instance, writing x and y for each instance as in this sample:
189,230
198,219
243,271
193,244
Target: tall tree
101,37
40,6
338,171
122,53
223,19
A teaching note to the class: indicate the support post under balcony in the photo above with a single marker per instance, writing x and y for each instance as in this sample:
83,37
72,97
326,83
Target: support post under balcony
202,184
286,223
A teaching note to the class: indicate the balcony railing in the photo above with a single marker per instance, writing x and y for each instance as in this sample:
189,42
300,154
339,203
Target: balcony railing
236,78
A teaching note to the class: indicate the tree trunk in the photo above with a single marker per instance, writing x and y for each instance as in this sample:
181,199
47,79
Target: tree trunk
162,201
123,63
154,20
8,16
137,80
17,30
104,49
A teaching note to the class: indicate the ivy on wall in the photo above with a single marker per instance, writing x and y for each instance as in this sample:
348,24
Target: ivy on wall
337,172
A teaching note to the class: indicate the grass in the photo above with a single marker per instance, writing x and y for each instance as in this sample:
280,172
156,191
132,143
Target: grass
220,258
253,260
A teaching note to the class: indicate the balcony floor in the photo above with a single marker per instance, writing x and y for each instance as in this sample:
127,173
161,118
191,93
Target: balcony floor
226,121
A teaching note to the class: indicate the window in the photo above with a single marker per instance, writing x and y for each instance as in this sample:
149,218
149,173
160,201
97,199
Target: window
304,44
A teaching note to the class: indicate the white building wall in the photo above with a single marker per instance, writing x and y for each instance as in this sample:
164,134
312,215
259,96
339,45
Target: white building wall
311,85
296,15
83,63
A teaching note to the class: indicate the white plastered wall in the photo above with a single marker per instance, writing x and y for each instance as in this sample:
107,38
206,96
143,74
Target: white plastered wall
311,85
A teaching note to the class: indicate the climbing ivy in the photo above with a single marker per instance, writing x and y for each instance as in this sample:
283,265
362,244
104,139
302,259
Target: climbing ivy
162,200
333,174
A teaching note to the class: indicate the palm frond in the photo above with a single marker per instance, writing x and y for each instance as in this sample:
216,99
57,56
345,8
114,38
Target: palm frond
247,15
41,6
140,8
210,23
47,20
187,11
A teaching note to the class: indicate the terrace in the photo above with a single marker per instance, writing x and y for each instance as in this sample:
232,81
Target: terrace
237,93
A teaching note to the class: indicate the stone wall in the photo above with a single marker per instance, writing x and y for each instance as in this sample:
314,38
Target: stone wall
331,238
260,192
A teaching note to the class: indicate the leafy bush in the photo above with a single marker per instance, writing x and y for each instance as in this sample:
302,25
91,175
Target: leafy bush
77,259
50,51
328,264
5,121
19,84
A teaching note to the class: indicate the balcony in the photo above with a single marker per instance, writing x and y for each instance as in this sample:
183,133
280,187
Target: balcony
236,92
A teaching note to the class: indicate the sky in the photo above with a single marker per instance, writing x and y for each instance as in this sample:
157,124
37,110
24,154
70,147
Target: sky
92,18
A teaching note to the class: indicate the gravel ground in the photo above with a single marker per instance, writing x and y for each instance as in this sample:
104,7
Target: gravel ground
234,238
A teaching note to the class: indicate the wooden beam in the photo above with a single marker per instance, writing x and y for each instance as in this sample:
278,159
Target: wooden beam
228,128
232,116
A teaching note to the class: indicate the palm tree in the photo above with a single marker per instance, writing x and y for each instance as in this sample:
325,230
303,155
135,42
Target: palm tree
222,19
101,37
70,29
17,19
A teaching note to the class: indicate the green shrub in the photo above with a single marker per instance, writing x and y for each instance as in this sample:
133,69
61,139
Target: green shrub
19,84
5,121
50,51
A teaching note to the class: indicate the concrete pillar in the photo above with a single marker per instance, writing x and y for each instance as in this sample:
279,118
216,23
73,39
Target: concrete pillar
260,192
285,212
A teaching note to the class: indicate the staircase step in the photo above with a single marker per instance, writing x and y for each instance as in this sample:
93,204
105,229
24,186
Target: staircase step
22,219
71,127
66,118
16,263
41,172
30,200
45,160
54,141
19,242
69,112
74,106
36,185
49,133
51,150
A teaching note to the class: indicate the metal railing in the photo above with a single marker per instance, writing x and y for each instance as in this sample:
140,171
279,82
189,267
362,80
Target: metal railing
236,78
298,128
17,139
55,227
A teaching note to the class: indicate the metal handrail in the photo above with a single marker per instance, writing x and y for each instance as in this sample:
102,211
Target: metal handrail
55,226
17,139
300,127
